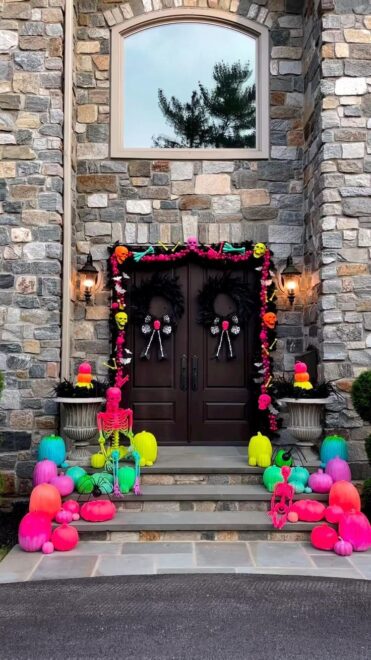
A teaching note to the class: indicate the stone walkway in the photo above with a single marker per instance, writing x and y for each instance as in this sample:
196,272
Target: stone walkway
99,558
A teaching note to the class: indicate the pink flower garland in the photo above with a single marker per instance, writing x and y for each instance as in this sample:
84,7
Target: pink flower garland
211,255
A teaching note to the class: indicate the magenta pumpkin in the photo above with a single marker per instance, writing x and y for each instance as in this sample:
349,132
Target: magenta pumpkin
44,471
343,548
64,484
309,510
65,538
35,529
338,470
333,514
98,510
355,528
63,516
320,482
323,537
71,505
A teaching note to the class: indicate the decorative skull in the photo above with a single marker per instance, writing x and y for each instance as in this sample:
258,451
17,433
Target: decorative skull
121,319
259,250
270,320
121,253
192,242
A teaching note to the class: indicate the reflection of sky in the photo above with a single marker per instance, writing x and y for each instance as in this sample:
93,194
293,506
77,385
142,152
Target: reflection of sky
173,58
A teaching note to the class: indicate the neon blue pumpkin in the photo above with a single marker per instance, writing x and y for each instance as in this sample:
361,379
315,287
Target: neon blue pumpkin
75,472
53,448
333,446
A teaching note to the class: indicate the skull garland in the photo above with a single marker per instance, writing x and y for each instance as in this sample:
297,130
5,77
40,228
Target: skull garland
227,327
156,329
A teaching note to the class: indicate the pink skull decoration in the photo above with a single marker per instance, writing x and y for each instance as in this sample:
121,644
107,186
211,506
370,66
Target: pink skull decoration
192,242
264,401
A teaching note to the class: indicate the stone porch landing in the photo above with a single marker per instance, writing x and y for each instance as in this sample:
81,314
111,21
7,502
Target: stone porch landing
95,559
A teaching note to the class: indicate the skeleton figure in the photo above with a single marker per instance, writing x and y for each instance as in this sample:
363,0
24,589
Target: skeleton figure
225,328
154,328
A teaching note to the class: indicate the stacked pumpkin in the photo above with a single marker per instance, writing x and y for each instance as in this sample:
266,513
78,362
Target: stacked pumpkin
301,376
35,530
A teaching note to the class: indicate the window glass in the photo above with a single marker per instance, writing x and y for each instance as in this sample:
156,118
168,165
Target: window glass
189,85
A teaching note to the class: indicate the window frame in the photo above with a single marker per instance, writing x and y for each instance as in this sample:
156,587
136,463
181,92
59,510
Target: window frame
152,19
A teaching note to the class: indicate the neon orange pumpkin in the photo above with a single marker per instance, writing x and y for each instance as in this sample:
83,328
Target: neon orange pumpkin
302,378
45,498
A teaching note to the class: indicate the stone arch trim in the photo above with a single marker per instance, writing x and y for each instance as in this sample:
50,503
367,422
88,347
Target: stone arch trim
127,11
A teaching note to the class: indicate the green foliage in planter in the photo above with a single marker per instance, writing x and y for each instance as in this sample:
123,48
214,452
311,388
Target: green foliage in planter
366,498
361,395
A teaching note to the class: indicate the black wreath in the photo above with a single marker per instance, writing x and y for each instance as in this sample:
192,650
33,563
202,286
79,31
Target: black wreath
233,287
161,285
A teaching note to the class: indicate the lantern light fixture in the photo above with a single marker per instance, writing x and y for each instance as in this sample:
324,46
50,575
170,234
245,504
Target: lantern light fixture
290,278
88,278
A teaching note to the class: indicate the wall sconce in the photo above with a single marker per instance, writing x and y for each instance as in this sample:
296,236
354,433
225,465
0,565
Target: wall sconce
290,279
88,276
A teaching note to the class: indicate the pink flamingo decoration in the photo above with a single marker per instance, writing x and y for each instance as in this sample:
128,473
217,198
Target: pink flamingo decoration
281,501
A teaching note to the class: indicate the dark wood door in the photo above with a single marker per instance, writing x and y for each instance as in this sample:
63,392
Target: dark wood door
191,397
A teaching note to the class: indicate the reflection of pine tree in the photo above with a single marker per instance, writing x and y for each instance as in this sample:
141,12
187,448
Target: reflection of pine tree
221,117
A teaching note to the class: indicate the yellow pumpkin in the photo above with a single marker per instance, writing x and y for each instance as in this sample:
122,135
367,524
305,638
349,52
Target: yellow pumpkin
259,451
97,461
304,386
145,444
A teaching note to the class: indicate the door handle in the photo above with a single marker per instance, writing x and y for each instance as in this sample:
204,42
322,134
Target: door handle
194,373
183,373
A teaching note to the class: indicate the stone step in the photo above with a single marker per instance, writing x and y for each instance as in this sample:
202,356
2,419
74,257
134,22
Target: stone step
191,525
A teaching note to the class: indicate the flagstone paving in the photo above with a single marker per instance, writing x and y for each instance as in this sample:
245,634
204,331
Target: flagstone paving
99,558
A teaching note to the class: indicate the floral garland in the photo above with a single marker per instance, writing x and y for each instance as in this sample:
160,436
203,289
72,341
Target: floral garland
259,257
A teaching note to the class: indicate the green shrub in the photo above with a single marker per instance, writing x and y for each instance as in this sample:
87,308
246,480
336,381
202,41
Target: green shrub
361,395
368,448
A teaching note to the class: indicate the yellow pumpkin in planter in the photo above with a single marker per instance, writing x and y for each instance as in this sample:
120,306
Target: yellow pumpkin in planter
97,461
146,445
259,451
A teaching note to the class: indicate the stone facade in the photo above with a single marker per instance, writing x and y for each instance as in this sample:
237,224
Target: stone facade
310,200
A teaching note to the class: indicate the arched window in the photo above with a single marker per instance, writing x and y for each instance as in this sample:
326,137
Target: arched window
189,84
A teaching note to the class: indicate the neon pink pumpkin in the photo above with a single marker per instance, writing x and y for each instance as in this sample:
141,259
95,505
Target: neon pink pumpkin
355,528
65,538
333,514
63,516
98,510
309,510
64,484
320,482
44,471
71,505
47,548
34,530
300,368
338,469
323,537
345,495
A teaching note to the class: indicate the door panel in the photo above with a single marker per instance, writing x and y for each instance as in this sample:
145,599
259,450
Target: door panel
159,402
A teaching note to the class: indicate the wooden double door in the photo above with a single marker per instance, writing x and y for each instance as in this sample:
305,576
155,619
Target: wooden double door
191,397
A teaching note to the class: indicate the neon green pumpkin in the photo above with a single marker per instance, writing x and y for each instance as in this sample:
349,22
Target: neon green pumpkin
146,445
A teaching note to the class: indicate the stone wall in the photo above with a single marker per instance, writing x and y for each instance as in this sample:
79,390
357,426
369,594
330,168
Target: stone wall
31,180
144,201
345,316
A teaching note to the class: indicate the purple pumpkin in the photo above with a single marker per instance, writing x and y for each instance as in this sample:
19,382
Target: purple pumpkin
44,471
320,482
35,529
338,469
343,548
64,484
64,517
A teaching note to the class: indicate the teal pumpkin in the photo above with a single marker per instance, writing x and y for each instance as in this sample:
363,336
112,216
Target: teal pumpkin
75,472
298,478
272,475
126,476
333,446
104,481
53,448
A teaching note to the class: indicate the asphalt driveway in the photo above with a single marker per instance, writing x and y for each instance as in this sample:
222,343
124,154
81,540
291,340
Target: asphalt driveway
226,617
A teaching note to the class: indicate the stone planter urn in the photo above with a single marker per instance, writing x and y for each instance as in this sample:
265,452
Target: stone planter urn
80,425
305,419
